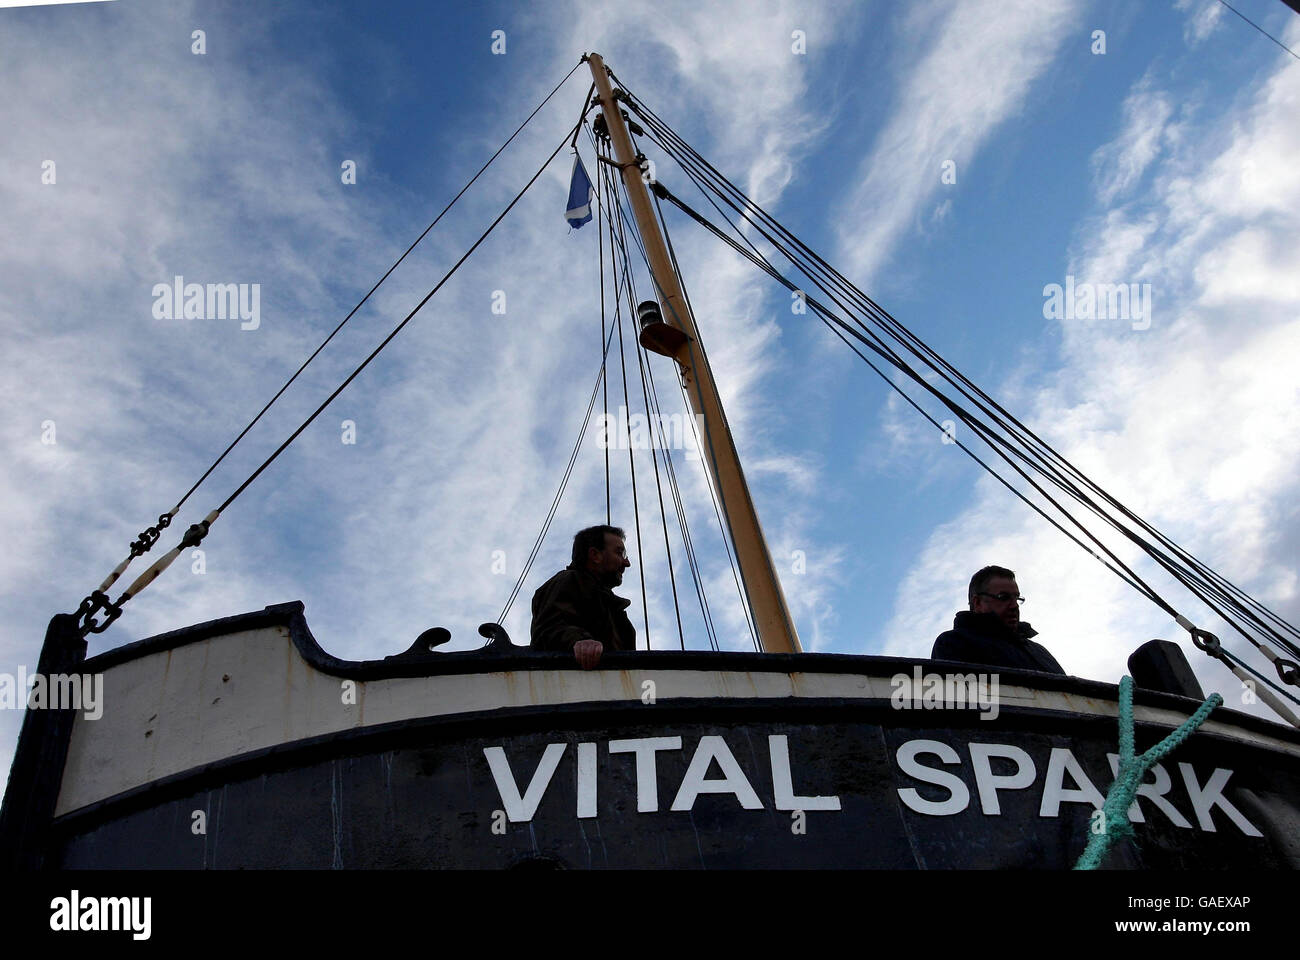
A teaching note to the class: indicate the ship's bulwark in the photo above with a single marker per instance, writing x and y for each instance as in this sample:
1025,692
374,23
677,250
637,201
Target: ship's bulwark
721,761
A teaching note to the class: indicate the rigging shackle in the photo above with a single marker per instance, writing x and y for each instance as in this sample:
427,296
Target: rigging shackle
85,613
1288,671
1203,639
1206,641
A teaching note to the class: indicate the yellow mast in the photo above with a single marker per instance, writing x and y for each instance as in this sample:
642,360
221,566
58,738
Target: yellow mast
776,631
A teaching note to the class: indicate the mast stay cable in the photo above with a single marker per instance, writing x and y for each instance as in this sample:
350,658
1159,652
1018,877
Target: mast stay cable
679,503
619,245
699,441
602,200
702,443
1011,427
564,482
631,458
198,531
1192,573
145,540
1205,641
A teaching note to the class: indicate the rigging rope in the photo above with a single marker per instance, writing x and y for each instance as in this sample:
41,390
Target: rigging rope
98,600
654,451
620,238
564,482
726,543
1040,457
1261,29
1284,666
885,318
198,531
702,444
150,535
879,347
631,464
1122,793
600,259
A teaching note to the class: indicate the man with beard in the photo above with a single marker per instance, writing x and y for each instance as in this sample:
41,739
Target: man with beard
991,631
576,609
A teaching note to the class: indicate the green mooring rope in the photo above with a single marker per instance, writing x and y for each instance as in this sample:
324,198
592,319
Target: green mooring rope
1132,769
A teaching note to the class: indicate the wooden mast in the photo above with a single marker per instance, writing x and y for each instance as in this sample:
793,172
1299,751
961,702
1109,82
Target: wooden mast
775,626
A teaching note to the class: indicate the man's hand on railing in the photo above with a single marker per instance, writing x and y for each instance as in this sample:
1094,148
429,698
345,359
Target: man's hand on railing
587,653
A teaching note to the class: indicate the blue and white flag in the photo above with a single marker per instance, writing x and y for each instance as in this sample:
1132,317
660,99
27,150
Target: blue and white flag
579,208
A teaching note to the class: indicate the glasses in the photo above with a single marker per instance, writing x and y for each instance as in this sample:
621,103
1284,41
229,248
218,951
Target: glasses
1003,597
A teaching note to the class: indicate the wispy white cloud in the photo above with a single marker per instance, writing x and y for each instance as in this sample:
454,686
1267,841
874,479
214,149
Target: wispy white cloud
463,425
1185,421
162,162
1202,20
221,173
976,73
1120,164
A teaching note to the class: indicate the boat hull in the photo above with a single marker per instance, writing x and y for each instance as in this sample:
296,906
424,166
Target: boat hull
658,760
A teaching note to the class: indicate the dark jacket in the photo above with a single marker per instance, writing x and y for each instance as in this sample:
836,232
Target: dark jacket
573,605
984,638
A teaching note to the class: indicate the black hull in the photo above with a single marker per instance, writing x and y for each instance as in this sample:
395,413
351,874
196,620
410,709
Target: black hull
739,780
425,797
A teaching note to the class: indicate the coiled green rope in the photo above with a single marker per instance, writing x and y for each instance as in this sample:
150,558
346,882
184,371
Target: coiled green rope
1132,769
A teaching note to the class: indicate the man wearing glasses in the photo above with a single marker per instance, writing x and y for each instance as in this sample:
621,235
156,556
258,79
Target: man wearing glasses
991,631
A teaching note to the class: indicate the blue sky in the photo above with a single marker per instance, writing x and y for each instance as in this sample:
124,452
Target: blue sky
1169,159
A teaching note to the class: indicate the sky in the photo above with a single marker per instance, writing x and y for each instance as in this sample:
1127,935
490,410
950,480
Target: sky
953,158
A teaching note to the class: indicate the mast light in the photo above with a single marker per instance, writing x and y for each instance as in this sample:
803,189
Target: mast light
656,335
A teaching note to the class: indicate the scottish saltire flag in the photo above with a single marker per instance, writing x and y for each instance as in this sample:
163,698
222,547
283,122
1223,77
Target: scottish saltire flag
579,209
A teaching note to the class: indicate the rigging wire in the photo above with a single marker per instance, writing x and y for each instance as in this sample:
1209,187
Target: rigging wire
705,442
619,242
619,239
1260,29
600,259
1011,427
663,514
701,443
564,482
654,458
770,238
987,436
1038,454
398,329
679,505
618,323
823,314
602,194
631,463
198,531
827,318
726,543
148,537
